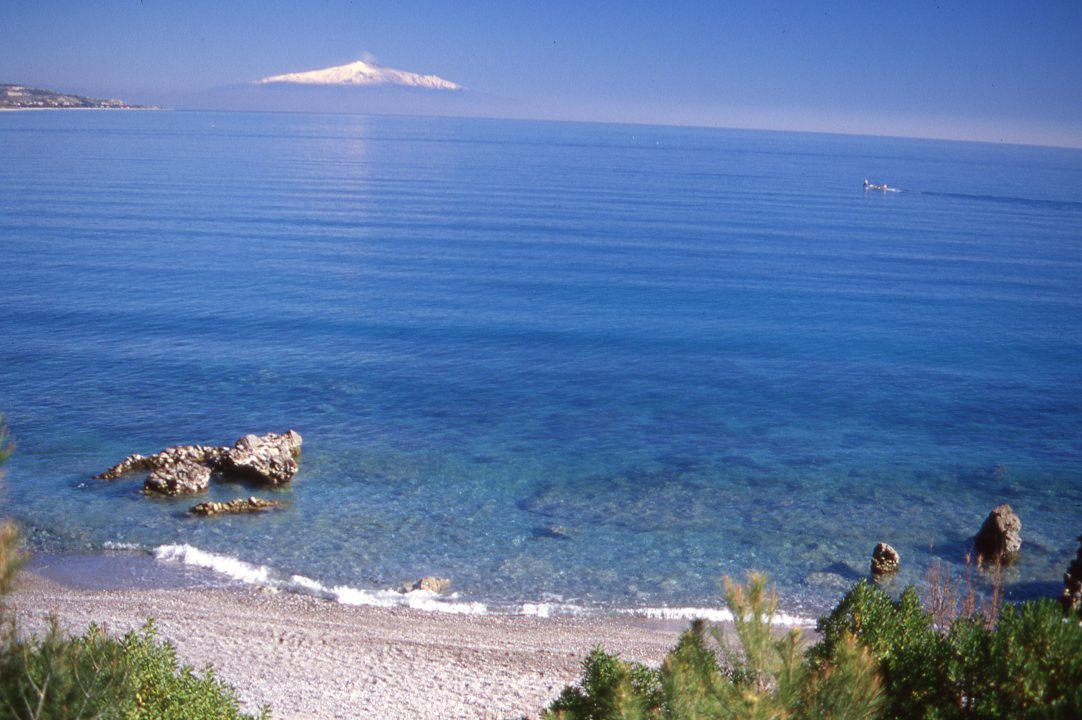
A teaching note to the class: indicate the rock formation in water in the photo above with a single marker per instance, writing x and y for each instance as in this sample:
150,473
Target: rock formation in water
170,457
235,507
186,469
266,458
1000,537
885,560
181,478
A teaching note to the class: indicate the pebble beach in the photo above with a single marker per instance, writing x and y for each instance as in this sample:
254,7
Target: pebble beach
310,658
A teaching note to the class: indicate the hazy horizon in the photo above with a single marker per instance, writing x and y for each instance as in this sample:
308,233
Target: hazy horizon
993,72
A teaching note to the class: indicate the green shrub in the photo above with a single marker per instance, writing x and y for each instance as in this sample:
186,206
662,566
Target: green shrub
611,688
11,556
876,658
707,676
1028,664
692,682
94,675
900,637
848,687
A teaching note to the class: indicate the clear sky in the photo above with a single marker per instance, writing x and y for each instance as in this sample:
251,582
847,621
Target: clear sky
992,70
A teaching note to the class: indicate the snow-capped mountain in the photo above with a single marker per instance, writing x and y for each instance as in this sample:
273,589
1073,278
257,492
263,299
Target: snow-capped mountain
363,73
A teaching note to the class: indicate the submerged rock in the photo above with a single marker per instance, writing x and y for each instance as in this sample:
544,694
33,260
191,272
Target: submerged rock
1000,537
885,560
235,507
554,532
1072,584
827,580
180,478
185,469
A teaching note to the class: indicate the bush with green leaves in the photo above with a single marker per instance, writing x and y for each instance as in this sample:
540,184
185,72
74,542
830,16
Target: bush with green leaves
900,636
1027,664
95,675
876,657
707,675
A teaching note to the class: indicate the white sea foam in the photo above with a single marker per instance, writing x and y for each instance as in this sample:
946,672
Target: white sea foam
223,564
711,614
356,596
553,609
264,576
431,602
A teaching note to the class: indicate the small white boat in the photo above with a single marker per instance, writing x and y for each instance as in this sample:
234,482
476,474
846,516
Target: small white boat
872,186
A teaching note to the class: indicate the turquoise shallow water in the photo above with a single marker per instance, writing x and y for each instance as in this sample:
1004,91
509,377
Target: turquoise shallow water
586,365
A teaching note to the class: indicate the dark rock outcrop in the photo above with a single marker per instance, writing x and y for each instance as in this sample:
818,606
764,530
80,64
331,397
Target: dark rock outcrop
1072,584
885,560
235,507
268,459
1000,537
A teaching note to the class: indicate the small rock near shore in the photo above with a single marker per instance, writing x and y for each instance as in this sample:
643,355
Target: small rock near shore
235,507
885,560
429,584
1000,537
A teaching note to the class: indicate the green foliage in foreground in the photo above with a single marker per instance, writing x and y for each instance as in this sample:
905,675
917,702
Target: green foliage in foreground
96,675
60,677
876,658
1027,664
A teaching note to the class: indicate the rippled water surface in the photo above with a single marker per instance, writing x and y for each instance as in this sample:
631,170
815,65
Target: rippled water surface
591,365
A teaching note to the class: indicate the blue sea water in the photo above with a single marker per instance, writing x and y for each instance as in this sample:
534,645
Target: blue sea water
565,365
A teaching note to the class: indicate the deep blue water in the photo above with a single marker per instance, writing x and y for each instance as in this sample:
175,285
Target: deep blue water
586,364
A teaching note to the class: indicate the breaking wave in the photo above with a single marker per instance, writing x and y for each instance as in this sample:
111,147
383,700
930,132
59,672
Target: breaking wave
263,576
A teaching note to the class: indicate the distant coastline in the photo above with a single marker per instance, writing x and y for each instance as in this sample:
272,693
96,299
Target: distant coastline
21,97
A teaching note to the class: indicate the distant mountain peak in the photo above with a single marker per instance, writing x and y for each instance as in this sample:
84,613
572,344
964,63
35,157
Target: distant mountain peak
363,73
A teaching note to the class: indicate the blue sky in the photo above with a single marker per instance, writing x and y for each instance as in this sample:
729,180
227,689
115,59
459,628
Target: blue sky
1000,71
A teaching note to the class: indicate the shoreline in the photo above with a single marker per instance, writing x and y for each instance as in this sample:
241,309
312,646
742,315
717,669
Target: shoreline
187,567
312,658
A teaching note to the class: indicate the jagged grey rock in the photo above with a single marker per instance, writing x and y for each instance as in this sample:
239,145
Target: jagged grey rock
264,458
179,478
200,454
1000,537
184,469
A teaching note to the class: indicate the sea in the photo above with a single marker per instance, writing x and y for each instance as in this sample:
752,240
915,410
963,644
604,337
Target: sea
574,368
